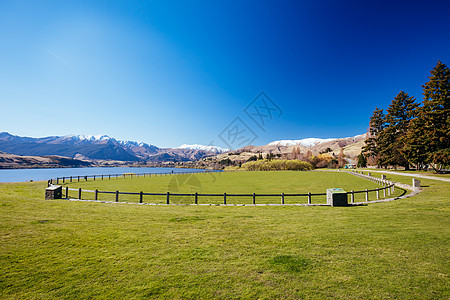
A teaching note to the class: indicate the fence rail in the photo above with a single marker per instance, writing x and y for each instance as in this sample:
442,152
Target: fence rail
195,196
77,178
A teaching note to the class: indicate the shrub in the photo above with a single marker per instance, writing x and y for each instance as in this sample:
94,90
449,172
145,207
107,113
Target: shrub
277,165
253,158
322,164
231,168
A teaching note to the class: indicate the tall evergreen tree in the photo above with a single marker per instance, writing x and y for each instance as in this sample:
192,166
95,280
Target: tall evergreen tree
399,114
362,161
415,148
429,134
376,126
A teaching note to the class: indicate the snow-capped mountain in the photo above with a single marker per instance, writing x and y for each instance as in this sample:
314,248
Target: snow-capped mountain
101,147
133,143
105,138
213,149
308,142
82,137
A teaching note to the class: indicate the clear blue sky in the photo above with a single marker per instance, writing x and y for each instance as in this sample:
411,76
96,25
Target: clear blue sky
174,72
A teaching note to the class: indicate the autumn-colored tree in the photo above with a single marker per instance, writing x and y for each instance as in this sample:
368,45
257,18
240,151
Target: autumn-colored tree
296,153
341,160
293,153
308,156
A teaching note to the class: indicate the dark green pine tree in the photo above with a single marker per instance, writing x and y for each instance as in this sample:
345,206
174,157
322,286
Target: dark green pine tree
362,161
376,126
399,114
415,142
428,139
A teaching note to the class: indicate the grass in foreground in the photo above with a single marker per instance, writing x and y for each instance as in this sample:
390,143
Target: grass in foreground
61,249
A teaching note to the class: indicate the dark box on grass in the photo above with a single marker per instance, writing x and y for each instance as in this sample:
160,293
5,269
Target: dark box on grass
53,192
337,197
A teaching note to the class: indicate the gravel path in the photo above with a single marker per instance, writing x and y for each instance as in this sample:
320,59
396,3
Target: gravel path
413,175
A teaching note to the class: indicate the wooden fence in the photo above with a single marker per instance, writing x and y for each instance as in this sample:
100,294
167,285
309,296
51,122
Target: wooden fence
195,196
65,179
387,189
388,186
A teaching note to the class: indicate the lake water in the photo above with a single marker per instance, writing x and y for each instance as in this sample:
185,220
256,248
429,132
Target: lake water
20,175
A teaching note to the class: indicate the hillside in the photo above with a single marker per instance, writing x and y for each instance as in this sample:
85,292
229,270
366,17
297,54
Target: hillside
283,149
315,145
11,161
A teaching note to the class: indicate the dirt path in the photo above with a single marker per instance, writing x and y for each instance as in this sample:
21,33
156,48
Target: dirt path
414,175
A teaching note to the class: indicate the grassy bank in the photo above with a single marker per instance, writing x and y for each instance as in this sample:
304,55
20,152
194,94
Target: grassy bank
61,249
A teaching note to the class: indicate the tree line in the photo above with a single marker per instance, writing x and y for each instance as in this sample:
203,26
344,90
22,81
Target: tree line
411,133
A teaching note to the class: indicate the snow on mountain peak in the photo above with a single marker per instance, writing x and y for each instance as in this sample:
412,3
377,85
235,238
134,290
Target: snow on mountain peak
308,142
132,143
203,147
82,137
103,137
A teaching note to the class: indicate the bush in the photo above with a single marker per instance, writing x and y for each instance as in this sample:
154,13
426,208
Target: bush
277,165
322,164
333,164
231,168
253,158
320,161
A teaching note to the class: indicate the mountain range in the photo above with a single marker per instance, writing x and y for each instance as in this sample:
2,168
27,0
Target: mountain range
101,147
104,148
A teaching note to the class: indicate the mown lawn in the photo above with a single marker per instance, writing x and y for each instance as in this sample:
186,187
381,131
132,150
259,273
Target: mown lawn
62,249
276,182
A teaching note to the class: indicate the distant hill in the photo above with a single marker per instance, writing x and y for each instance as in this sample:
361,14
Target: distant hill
11,161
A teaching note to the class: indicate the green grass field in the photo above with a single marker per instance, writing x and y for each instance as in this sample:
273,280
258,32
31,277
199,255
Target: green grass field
274,182
66,250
